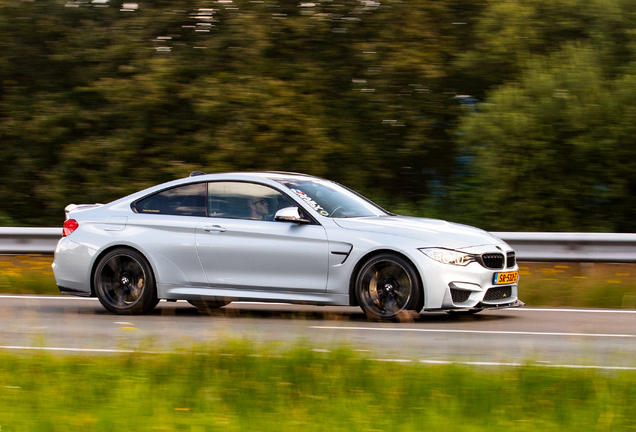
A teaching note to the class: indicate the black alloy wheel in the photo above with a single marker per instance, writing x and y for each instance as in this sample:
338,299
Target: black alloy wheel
124,282
387,286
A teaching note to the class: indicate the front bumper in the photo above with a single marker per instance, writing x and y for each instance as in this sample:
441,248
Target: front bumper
453,287
515,304
482,306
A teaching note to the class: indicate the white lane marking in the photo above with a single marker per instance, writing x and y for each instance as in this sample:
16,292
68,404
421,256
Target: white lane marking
435,362
567,366
97,350
527,309
587,367
523,309
52,297
394,360
473,331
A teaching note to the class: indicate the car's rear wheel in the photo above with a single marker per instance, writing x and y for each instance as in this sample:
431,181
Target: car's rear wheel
206,305
124,282
387,286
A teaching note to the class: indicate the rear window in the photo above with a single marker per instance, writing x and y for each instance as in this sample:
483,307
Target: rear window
188,200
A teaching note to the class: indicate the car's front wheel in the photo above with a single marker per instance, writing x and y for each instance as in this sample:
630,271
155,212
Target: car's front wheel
124,282
387,285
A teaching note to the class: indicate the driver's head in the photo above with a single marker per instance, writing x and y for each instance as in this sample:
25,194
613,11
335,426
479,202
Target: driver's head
259,207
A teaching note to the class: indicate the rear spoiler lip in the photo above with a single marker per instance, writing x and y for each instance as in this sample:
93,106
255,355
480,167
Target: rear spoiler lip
73,207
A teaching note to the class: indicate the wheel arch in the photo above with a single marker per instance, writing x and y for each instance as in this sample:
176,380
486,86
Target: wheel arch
353,299
99,257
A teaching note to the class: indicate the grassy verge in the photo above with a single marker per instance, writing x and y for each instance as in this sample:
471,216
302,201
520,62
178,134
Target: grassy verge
578,285
236,388
27,274
541,284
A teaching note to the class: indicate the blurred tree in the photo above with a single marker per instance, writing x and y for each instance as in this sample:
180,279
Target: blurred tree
555,151
508,32
98,101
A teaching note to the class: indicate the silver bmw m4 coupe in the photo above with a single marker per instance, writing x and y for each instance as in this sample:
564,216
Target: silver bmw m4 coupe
277,237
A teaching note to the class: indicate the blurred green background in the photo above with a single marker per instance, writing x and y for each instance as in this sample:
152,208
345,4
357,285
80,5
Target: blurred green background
514,115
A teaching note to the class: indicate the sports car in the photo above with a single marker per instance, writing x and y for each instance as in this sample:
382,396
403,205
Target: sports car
212,239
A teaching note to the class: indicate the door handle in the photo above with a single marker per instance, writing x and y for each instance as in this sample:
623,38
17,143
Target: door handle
214,228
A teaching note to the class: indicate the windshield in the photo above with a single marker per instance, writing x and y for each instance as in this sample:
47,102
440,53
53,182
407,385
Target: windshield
332,200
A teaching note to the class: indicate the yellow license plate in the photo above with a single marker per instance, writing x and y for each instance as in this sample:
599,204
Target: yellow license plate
505,278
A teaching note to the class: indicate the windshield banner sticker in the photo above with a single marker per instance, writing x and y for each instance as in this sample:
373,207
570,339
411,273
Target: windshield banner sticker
314,205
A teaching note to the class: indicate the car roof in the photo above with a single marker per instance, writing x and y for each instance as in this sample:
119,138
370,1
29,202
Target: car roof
266,176
276,176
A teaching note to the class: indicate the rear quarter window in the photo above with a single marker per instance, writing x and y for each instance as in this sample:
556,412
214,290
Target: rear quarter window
187,200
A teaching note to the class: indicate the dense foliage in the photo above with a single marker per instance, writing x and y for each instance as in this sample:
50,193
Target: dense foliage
99,99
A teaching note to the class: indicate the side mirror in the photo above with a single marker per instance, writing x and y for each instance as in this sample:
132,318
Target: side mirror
290,214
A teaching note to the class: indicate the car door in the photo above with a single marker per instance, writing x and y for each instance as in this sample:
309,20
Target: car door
242,247
165,224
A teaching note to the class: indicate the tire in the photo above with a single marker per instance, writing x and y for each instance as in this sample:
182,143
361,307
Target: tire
124,282
386,286
207,305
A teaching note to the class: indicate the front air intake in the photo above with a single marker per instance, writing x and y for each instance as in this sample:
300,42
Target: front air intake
498,293
459,296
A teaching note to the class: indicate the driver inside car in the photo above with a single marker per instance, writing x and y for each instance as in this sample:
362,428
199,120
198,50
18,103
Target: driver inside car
259,208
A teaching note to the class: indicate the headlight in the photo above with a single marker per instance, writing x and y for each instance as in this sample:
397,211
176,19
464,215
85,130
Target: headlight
448,256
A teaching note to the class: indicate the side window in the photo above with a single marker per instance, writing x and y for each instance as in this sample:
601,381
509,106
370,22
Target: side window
188,200
239,200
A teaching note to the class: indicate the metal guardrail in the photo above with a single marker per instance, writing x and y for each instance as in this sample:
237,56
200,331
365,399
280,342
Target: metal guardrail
530,246
571,247
29,240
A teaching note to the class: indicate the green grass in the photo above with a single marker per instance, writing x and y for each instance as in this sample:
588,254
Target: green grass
237,388
541,284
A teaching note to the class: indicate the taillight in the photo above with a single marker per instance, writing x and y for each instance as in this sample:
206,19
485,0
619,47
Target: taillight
70,225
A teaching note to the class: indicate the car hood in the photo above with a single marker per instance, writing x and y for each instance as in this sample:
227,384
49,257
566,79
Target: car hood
431,232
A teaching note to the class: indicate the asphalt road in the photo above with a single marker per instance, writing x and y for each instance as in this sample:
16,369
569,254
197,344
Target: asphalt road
602,338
